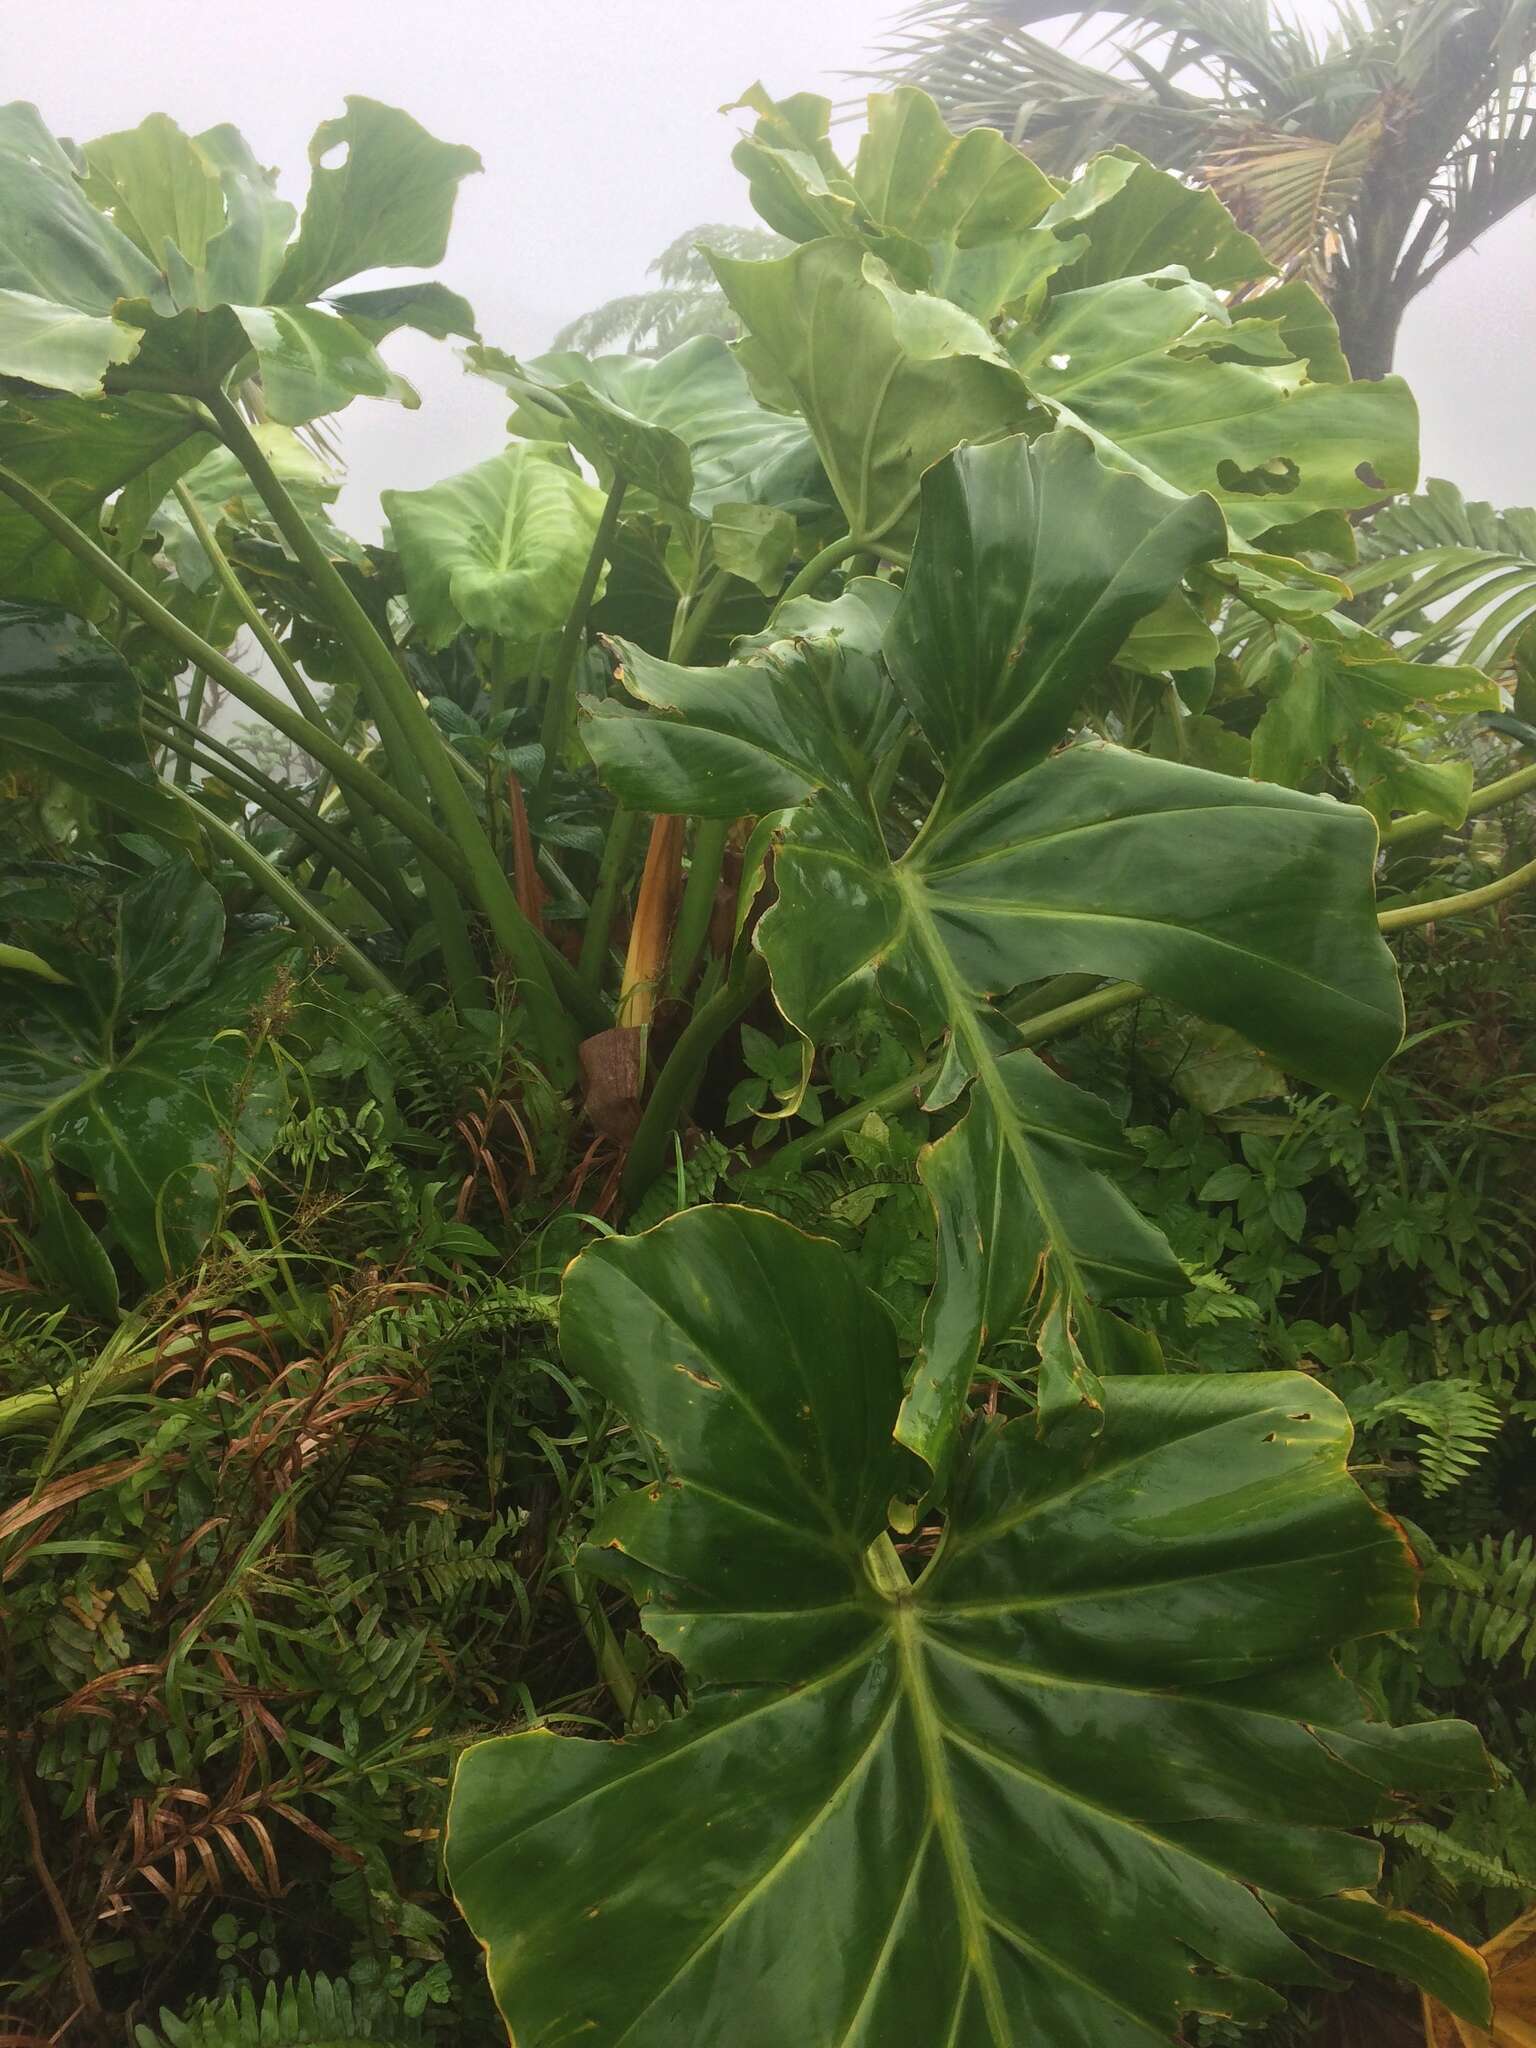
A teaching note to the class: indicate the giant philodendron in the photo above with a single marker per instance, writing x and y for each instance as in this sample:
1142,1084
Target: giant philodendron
1083,1771
1249,904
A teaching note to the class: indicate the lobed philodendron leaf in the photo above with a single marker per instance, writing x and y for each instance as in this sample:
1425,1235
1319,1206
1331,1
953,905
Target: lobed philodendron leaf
1250,905
1068,1786
167,257
1273,447
1106,295
385,203
69,708
139,1073
499,548
684,428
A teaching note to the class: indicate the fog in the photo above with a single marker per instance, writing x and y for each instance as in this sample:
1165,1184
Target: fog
599,127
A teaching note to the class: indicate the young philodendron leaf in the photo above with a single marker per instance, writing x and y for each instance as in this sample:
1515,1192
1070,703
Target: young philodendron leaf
1063,1788
499,549
1250,905
1336,688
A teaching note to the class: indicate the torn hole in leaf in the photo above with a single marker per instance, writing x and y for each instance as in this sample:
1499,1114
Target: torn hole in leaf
1269,479
1369,478
701,1379
334,158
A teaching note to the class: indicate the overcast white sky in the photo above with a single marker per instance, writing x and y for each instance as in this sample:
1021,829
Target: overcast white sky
598,124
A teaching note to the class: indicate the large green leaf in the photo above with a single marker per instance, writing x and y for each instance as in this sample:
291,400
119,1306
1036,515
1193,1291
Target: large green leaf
140,1074
242,260
1139,219
1272,447
499,549
973,203
79,453
69,705
1250,905
1033,571
387,204
1335,690
888,380
43,342
160,188
54,244
685,427
1059,1789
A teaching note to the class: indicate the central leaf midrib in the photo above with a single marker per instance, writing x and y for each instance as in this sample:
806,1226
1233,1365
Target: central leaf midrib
961,1007
974,1920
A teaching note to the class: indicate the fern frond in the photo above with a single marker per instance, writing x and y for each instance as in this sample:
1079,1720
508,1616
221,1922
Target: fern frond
304,2012
1450,1858
1484,1598
1455,1424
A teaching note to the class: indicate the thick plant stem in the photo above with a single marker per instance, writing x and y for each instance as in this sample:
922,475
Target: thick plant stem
710,836
445,906
296,906
254,787
622,827
833,554
680,1075
347,769
606,1652
194,720
248,609
693,614
1404,916
385,684
560,698
447,911
1420,824
358,781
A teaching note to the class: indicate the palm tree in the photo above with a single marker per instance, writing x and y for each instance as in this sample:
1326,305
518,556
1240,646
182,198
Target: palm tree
1364,159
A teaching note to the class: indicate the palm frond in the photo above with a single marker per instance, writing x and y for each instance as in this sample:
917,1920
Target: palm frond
1294,193
1450,577
984,72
